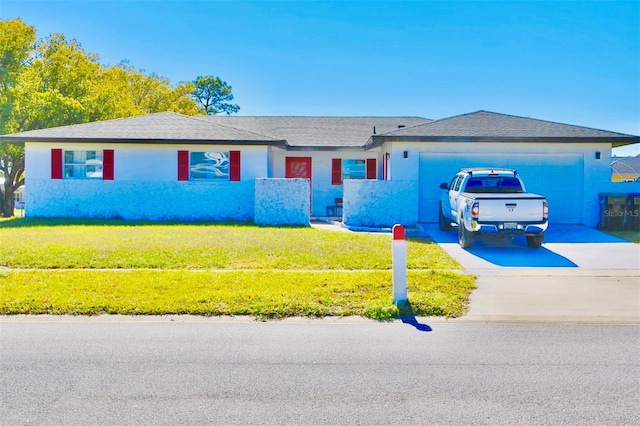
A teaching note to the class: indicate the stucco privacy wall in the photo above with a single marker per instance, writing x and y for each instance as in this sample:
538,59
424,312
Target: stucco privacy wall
380,203
161,201
282,202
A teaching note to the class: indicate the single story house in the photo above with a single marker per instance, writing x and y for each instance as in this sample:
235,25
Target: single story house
372,171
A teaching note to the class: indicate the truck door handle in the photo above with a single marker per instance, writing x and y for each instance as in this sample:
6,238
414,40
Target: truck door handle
511,205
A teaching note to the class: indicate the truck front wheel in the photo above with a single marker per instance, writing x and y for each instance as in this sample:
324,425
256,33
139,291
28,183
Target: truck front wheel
535,241
465,238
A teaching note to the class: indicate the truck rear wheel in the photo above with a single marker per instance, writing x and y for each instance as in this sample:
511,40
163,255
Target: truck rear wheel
465,238
535,241
445,224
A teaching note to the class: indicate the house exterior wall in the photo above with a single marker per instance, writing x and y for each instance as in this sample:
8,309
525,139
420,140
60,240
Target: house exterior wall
145,185
145,162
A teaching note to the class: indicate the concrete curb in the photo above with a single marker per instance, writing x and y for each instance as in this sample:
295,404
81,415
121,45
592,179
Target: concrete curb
351,320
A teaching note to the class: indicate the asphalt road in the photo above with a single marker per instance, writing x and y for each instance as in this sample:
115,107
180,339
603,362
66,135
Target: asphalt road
186,370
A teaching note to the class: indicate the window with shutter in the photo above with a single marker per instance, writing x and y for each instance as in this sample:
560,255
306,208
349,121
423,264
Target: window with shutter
78,164
342,169
208,165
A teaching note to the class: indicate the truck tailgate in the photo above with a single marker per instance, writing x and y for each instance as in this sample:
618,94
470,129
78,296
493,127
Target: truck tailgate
510,208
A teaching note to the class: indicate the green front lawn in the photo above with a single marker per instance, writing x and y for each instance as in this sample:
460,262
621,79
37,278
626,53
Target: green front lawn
46,244
93,267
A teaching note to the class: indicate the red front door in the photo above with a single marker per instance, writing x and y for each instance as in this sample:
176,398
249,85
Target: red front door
298,167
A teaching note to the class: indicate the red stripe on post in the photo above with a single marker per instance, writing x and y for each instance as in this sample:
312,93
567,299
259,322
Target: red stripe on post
398,232
107,164
56,163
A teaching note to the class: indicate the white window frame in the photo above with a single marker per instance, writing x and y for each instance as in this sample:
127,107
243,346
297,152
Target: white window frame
349,163
83,164
215,166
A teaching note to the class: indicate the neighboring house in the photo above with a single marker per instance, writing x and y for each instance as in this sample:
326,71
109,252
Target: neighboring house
274,170
625,169
18,196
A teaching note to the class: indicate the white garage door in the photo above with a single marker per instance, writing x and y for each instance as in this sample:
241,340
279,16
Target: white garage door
559,177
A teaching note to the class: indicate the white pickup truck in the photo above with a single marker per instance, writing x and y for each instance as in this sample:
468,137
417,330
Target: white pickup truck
492,201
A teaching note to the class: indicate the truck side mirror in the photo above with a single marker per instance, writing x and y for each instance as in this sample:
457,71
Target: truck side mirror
444,185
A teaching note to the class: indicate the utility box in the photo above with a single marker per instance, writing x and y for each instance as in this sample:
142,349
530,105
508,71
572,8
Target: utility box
632,212
613,209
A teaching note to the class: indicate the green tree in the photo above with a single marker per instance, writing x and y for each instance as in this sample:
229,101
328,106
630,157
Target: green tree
213,96
54,82
17,41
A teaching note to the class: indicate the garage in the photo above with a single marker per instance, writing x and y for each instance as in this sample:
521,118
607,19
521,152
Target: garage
558,176
569,165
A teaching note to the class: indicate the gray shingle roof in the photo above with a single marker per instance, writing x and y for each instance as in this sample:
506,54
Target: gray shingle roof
318,132
162,126
347,132
485,124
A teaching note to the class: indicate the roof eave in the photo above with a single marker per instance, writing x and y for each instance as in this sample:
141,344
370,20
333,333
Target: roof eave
325,148
22,140
615,141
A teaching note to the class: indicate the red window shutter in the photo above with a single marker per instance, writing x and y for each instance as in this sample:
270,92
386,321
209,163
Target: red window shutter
234,166
371,168
336,171
107,164
56,163
183,165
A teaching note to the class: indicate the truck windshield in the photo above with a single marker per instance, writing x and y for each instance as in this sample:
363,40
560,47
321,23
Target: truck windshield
493,184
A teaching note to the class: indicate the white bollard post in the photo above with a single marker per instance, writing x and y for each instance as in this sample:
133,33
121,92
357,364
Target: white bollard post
399,259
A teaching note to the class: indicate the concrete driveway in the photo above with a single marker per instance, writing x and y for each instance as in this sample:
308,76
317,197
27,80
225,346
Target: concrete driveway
579,274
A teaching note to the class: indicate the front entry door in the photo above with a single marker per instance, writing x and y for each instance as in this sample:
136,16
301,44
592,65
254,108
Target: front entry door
298,167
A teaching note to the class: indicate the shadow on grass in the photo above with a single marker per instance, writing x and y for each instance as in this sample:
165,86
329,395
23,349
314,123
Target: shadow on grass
422,240
407,316
24,222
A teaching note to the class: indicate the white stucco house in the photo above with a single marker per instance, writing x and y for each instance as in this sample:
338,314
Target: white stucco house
284,170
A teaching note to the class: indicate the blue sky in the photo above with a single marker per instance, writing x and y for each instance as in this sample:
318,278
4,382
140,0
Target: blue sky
575,62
